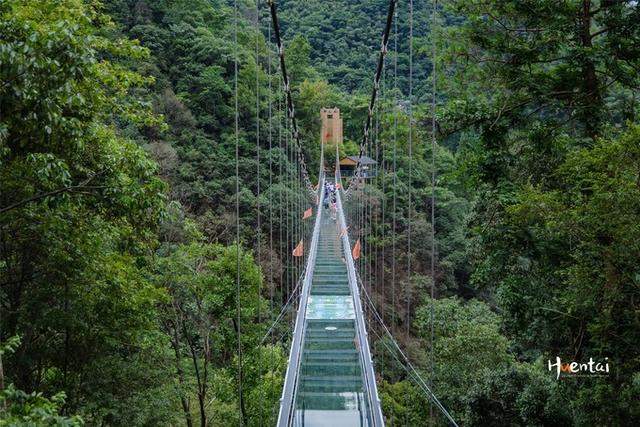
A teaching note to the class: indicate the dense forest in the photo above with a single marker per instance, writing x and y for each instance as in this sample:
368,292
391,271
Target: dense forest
120,242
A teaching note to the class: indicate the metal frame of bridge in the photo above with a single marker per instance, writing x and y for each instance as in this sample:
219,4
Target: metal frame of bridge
334,406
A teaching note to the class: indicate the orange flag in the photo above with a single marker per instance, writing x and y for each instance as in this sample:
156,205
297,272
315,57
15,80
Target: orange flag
356,250
307,213
338,186
299,250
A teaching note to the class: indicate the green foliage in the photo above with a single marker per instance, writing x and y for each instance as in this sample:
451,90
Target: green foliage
546,97
583,242
475,375
126,307
344,39
460,327
516,62
521,395
78,210
403,403
20,409
202,321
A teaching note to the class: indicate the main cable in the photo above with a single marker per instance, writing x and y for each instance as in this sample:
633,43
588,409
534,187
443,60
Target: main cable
287,89
374,92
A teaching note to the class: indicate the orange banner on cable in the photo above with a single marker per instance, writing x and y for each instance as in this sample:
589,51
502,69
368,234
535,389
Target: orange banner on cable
299,250
356,250
307,213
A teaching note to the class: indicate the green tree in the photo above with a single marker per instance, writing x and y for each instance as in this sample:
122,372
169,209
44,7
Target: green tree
545,95
78,209
18,408
201,316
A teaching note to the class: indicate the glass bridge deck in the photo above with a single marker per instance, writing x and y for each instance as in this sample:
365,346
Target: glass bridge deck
330,389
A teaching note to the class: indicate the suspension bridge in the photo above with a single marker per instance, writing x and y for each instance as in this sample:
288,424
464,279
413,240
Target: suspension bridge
331,377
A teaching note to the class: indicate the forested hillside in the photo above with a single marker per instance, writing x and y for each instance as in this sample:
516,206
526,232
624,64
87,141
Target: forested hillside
342,35
127,299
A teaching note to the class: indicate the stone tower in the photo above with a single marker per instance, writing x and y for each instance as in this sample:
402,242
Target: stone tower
331,126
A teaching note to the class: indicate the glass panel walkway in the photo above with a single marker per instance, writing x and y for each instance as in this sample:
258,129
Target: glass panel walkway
330,388
330,379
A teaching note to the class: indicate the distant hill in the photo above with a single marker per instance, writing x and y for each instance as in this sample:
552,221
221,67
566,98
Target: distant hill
345,36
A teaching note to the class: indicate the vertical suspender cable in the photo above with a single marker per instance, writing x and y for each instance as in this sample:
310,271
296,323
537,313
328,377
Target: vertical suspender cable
237,133
372,211
287,213
434,60
395,174
376,261
281,186
270,138
300,223
410,178
290,213
259,222
383,225
259,219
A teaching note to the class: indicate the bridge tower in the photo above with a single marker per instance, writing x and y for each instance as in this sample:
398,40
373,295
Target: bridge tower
331,132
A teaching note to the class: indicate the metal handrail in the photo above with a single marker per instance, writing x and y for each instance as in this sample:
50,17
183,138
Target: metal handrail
365,353
293,363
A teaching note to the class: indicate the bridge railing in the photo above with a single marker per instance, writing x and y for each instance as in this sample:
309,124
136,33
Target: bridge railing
366,361
287,400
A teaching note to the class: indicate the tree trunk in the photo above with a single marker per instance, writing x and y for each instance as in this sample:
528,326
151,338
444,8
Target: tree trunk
243,410
591,104
183,400
203,415
4,403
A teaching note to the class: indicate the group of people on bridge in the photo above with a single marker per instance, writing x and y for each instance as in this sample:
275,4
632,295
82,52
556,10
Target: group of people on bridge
330,198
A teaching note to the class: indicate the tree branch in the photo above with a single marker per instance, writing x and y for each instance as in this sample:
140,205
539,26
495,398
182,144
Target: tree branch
71,188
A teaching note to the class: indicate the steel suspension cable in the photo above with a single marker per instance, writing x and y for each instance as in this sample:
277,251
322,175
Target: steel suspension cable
289,99
410,178
410,183
434,59
283,311
383,225
395,174
422,383
415,376
373,211
270,138
293,216
373,153
237,146
374,92
287,212
258,207
281,186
